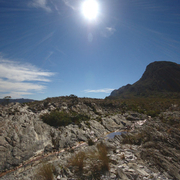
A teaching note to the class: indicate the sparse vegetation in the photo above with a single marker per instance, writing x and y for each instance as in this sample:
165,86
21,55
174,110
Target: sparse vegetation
150,106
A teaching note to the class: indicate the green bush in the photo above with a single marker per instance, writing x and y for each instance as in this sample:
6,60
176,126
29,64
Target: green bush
57,118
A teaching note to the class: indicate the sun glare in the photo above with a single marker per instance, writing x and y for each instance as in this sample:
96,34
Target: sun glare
90,9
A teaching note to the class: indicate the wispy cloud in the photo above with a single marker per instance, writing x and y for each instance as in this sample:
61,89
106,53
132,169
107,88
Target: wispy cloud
17,79
49,55
40,4
108,31
105,90
71,3
47,37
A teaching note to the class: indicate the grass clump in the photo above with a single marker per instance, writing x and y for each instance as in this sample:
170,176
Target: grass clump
60,118
78,163
91,164
98,161
46,172
102,156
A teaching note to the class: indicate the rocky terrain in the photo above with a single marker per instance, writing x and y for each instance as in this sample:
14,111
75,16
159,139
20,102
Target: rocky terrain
30,149
161,78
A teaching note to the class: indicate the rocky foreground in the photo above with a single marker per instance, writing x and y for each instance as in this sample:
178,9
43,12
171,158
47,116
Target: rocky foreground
148,148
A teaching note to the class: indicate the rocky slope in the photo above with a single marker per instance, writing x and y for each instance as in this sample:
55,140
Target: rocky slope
149,150
160,78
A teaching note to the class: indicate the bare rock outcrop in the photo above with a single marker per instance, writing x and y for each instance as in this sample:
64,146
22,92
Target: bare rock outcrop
22,135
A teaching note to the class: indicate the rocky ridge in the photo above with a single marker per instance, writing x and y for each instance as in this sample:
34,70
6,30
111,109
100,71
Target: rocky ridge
149,151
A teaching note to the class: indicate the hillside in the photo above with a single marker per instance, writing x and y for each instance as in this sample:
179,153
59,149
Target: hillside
160,79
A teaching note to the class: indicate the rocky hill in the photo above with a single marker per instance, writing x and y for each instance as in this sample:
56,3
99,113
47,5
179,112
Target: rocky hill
160,79
102,140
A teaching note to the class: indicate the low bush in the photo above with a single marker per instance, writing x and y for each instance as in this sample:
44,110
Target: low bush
60,118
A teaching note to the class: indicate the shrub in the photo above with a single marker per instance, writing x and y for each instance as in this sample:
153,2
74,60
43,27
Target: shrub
57,118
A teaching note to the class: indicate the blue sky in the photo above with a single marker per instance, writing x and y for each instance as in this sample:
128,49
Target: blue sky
48,48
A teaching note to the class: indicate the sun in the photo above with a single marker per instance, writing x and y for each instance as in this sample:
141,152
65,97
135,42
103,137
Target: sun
90,9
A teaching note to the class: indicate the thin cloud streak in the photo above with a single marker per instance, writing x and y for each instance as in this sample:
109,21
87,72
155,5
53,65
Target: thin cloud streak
108,31
71,3
105,90
46,38
14,77
40,4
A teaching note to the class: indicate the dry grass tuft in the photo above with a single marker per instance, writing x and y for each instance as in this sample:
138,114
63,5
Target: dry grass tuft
102,156
94,163
46,172
77,161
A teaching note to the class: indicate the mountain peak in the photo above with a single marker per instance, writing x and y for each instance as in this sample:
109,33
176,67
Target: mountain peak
160,77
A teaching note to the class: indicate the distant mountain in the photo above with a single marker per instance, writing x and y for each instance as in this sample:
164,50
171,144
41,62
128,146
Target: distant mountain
160,79
3,101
